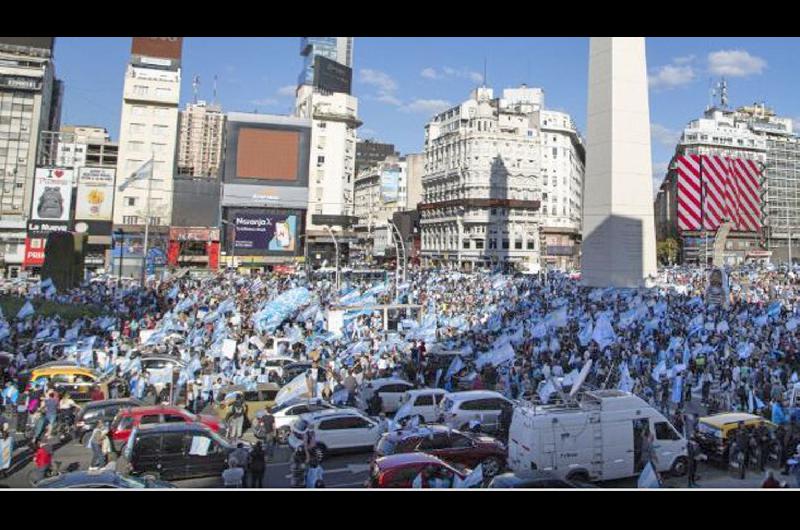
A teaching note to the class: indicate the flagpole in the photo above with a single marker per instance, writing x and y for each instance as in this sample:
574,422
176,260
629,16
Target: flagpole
147,217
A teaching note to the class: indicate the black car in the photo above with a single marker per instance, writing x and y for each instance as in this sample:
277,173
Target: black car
533,479
103,479
96,411
175,451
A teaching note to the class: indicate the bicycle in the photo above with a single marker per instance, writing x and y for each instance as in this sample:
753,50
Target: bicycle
34,476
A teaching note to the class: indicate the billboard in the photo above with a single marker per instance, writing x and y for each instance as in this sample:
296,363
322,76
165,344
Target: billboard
52,194
265,232
95,199
390,184
267,149
161,47
269,155
34,252
332,76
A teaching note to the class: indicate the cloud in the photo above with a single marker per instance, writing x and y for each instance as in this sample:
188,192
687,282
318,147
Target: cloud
672,75
426,106
664,135
449,71
366,131
288,90
264,102
684,60
385,97
378,79
735,63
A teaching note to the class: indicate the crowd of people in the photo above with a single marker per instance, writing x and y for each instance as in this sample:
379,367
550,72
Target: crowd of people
674,344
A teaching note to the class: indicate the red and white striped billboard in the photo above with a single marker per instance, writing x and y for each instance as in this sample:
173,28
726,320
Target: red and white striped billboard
713,189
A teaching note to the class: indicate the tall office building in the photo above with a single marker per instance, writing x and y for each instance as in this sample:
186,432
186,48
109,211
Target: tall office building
325,99
482,189
30,102
338,49
200,140
369,153
148,130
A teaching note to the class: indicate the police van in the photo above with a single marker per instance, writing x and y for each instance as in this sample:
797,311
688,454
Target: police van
596,437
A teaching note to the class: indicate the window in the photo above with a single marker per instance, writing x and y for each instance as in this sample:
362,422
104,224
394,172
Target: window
518,244
438,441
140,90
136,147
466,244
472,405
162,92
148,445
459,441
479,244
130,220
136,128
151,418
334,424
174,418
320,160
505,244
160,131
424,401
130,201
664,431
173,443
531,245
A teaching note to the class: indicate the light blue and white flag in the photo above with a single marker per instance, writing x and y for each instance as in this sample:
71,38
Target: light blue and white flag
473,480
625,380
792,323
648,478
144,171
26,311
455,366
677,389
585,333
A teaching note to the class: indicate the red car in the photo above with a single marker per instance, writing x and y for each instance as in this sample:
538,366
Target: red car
455,447
127,419
399,471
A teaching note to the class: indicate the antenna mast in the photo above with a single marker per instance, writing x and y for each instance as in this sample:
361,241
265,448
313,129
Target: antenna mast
215,89
195,86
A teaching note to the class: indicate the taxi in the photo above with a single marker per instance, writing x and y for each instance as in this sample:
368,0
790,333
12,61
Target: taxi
78,381
714,433
255,400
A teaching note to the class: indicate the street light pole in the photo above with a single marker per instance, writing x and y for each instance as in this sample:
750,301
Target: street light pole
233,247
336,246
121,236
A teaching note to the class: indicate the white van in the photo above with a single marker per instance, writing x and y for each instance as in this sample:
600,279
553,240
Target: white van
421,403
597,438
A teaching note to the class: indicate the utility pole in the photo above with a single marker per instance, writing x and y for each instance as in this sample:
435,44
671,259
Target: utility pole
336,246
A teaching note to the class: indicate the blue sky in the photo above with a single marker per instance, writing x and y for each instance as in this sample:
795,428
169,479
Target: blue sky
401,82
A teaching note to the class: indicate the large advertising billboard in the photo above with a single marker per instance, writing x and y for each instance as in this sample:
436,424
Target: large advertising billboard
95,200
160,47
268,155
52,195
264,232
34,252
390,184
332,76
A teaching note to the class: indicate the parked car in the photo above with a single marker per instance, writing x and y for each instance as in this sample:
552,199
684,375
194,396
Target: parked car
288,412
276,364
175,451
534,479
457,409
262,398
399,471
102,479
336,430
128,419
105,411
452,446
78,381
292,370
420,403
714,433
390,389
160,362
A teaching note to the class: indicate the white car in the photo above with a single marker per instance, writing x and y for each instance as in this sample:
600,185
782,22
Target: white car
276,364
457,409
336,430
288,412
421,403
391,390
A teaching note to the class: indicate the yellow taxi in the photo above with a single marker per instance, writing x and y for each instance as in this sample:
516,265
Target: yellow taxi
78,381
262,398
714,433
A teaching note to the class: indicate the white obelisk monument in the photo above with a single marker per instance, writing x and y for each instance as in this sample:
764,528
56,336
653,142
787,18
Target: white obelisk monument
619,243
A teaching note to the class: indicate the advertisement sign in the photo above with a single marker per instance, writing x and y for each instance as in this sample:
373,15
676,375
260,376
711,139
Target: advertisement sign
265,232
332,76
34,252
390,184
95,200
179,233
52,194
164,47
132,246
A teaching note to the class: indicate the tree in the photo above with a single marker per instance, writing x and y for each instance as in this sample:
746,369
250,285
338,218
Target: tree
667,251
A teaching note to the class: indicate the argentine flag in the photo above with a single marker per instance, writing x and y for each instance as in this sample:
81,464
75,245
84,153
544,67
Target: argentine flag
26,311
648,478
145,171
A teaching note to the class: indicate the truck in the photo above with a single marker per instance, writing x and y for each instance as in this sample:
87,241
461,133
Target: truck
595,437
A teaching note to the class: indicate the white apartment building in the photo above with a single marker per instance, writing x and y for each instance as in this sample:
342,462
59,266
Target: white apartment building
482,182
379,192
200,140
333,149
148,128
79,146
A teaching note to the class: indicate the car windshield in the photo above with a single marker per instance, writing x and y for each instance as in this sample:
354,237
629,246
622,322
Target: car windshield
710,430
386,446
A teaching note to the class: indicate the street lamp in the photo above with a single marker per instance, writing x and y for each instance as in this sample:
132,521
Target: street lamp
233,249
336,246
121,236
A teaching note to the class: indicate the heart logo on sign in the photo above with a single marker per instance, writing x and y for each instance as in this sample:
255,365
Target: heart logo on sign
58,173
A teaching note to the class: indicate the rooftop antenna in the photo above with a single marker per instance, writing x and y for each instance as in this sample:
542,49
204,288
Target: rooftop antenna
723,97
215,89
195,85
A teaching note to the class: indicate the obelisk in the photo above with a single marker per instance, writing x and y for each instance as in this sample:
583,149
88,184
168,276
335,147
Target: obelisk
619,245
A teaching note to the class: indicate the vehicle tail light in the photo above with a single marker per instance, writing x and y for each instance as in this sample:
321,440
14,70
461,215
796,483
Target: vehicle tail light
382,480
